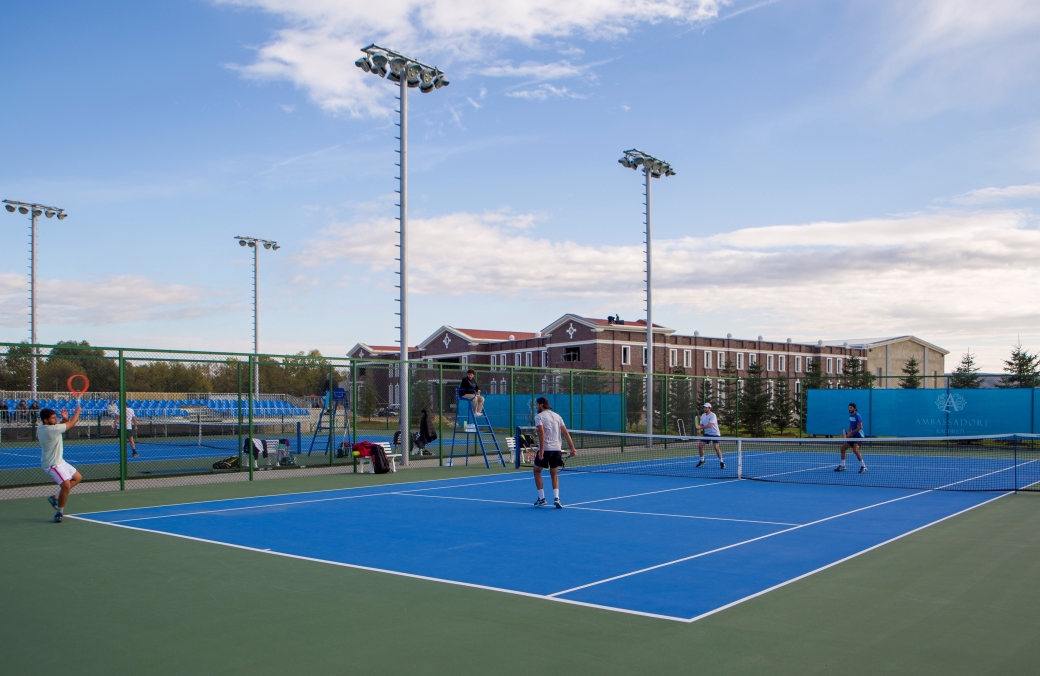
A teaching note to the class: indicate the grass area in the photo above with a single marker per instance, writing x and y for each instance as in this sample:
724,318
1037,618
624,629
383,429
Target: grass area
960,597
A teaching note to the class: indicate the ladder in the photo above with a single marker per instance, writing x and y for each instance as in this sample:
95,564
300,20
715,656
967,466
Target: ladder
473,423
327,419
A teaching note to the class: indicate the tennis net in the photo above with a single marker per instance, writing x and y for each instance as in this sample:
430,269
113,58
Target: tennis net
981,463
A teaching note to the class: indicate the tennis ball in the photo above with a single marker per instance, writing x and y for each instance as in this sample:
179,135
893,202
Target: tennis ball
357,454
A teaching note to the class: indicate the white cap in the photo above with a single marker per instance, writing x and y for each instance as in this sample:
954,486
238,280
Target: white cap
707,405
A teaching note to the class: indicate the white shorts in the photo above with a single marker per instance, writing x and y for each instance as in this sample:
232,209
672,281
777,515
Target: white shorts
61,472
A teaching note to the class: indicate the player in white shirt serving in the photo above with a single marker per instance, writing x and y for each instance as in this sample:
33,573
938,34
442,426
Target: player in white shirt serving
550,450
708,424
52,457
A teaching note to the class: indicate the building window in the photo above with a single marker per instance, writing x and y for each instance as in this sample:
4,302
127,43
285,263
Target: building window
626,355
752,359
797,387
494,361
572,354
797,364
720,392
673,358
740,361
494,387
781,362
769,362
644,356
707,359
769,389
838,365
390,394
545,358
878,372
830,364
722,360
465,359
527,359
687,359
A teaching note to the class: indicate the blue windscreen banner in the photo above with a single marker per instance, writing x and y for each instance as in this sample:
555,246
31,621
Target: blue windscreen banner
925,412
592,412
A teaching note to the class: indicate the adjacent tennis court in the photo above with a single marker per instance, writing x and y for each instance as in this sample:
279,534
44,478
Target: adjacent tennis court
672,548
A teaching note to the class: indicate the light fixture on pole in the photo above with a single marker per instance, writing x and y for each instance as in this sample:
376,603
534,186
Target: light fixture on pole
37,210
652,168
255,244
408,72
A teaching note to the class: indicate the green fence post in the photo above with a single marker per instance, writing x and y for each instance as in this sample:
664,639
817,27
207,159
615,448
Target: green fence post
122,421
512,404
570,419
736,412
582,400
353,405
238,366
440,414
332,418
252,446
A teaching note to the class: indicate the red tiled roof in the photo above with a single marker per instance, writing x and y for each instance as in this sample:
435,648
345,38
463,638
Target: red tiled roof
481,334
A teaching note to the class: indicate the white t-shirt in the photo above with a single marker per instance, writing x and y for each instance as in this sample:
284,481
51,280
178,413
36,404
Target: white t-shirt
710,423
113,410
551,424
51,444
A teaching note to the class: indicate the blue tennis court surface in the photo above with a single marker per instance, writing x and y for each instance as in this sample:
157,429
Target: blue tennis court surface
667,547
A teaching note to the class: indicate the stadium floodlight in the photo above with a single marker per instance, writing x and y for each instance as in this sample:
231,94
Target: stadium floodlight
37,211
364,64
253,243
652,168
406,72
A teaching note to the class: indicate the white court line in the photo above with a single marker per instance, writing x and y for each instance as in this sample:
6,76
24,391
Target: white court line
667,490
391,572
327,490
678,516
735,544
295,502
835,563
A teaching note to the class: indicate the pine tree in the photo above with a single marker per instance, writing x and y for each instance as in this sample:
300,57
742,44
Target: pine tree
1021,368
726,398
911,379
754,402
635,398
966,376
856,376
781,411
368,398
814,380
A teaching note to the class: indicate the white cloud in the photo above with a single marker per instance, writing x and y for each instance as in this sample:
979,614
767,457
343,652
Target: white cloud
957,276
317,49
537,71
545,91
947,53
115,300
992,195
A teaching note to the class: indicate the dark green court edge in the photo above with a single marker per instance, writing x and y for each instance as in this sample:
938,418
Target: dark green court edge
961,597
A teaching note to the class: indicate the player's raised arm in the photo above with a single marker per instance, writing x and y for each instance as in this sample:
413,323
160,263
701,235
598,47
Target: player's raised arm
69,424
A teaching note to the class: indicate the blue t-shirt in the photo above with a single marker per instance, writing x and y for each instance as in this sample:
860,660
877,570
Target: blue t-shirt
855,420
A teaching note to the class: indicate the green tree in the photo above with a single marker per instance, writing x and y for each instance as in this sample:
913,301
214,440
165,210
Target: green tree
102,371
165,376
814,380
911,379
1020,369
781,410
16,367
856,375
754,402
368,398
727,400
966,375
635,398
680,399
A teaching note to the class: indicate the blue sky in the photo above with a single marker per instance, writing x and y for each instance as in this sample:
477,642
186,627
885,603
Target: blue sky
845,170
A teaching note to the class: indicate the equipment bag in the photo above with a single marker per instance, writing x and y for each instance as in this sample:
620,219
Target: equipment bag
230,462
380,463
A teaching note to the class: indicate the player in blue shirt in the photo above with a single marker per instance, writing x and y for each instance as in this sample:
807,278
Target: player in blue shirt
855,431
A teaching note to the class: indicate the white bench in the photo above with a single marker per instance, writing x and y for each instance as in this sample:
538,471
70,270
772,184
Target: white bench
390,455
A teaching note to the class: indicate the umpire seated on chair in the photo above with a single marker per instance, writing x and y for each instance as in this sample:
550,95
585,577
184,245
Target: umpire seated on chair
468,389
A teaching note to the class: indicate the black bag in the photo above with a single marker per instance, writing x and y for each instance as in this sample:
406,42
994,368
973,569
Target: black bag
230,462
380,463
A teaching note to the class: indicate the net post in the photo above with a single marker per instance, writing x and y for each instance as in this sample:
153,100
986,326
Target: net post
570,417
252,385
516,446
740,459
353,407
512,399
122,420
1015,447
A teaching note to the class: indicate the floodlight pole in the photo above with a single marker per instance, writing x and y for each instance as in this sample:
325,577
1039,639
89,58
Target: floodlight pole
431,78
35,211
256,243
402,371
649,319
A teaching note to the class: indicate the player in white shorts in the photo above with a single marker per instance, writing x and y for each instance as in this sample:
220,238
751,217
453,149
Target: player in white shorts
551,432
52,457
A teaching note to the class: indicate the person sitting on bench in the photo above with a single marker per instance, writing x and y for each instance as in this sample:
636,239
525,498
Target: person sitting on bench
469,389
